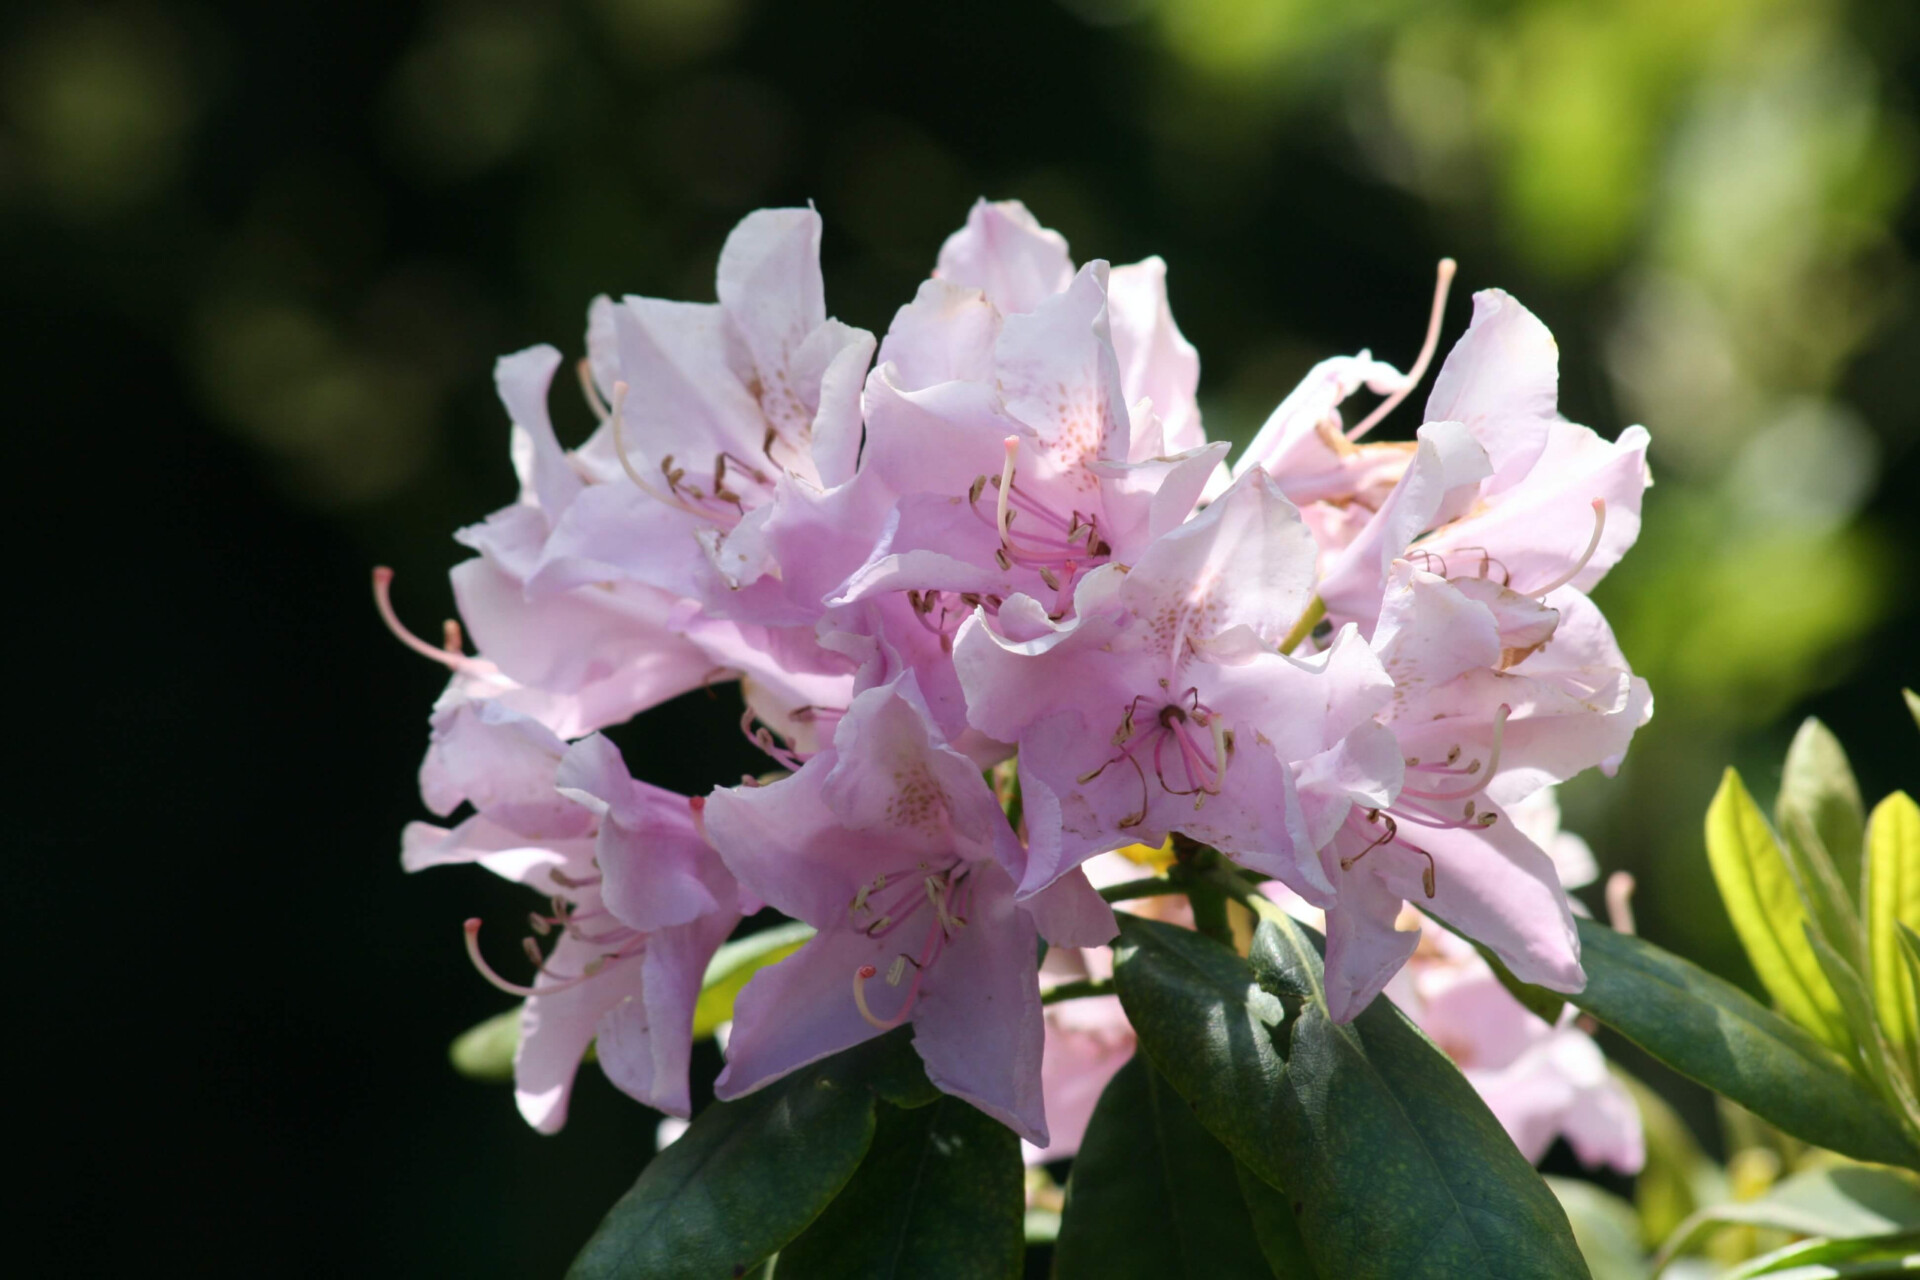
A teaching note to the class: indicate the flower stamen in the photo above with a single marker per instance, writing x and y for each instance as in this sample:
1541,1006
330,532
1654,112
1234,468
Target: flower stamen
1443,280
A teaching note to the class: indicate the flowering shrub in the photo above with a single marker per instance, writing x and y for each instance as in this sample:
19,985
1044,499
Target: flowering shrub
996,608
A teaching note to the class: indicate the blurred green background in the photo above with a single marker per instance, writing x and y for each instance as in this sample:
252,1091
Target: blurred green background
260,258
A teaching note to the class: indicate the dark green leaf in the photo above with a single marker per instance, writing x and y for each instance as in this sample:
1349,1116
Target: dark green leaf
1396,1164
747,1176
1153,1194
1714,1033
939,1195
1275,1226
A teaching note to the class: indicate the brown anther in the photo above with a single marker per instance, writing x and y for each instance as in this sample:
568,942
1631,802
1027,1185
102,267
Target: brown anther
975,489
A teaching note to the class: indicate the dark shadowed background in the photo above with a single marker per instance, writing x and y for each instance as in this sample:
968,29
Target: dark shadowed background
258,259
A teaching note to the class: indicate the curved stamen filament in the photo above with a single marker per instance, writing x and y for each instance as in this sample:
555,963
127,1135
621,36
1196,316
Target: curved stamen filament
617,415
1443,280
860,977
1593,544
1484,775
472,929
584,368
447,656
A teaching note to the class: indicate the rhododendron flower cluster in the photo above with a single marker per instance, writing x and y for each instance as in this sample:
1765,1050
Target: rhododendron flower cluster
995,607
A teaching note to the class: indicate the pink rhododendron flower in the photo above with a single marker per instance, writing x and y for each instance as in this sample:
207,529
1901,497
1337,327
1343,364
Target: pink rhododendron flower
638,902
1467,576
1001,530
1164,706
893,847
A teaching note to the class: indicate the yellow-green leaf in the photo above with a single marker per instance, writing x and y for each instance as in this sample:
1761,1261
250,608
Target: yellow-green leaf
1768,914
485,1052
1817,789
1913,705
734,964
1890,894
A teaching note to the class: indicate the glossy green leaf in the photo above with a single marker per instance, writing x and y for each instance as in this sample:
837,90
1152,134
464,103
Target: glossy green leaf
939,1194
1147,1160
1890,897
1605,1227
1846,1200
1712,1032
1818,790
485,1051
1396,1165
1767,912
747,1176
736,962
1897,1254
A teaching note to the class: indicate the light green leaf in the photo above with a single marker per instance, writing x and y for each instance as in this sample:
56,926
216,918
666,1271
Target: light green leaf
1845,1200
939,1194
734,963
1876,1058
1817,790
1890,894
1394,1163
1714,1033
1677,1177
1767,912
1913,705
1817,1259
1606,1228
1152,1193
746,1177
485,1051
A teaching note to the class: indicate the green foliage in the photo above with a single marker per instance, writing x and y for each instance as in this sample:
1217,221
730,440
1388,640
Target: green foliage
1818,792
1606,1227
937,1195
736,962
1147,1160
1890,900
1710,1031
1395,1165
485,1050
1817,1259
749,1175
1760,895
1832,1203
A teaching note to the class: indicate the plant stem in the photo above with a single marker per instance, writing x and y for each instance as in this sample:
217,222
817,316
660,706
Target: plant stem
1316,610
1078,990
